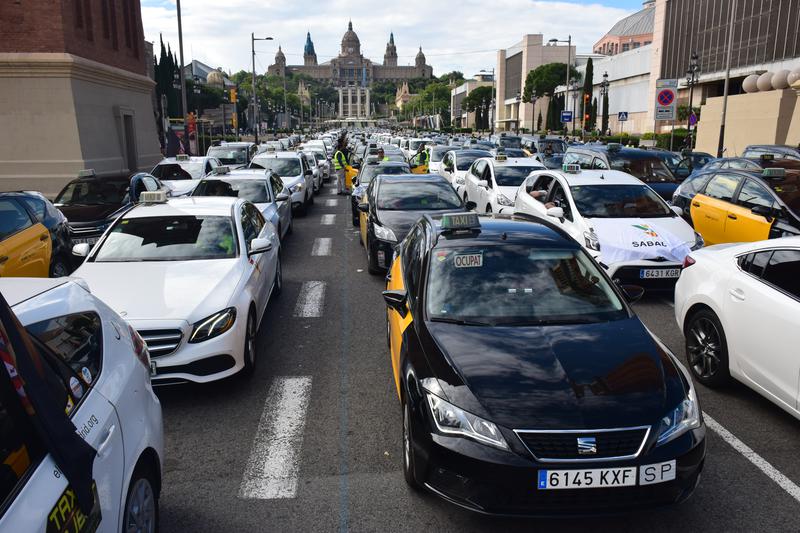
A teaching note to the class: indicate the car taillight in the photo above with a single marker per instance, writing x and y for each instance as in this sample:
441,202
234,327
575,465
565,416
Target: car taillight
688,261
140,348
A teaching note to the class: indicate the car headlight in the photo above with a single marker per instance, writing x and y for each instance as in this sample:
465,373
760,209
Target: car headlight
592,240
384,233
679,420
452,420
213,326
296,188
698,242
502,199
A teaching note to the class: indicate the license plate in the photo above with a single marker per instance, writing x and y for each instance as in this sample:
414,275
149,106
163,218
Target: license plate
87,240
153,368
607,477
659,273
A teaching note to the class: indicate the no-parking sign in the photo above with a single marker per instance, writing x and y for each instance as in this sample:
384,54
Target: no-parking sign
666,99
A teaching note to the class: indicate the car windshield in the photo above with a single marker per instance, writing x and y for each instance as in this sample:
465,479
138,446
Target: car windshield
179,171
618,201
464,161
518,285
370,171
287,166
554,161
253,190
93,192
416,196
554,146
414,145
644,168
512,176
788,190
229,156
178,238
437,152
509,142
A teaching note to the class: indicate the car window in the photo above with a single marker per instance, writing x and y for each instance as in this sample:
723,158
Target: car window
542,183
756,262
13,218
572,158
782,270
558,197
423,196
743,165
256,217
478,169
280,166
599,164
411,260
619,201
38,206
722,187
277,186
644,168
753,194
512,176
252,190
248,227
694,183
20,447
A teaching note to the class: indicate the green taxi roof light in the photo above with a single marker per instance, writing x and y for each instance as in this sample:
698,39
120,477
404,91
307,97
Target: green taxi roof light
774,173
571,168
456,221
181,157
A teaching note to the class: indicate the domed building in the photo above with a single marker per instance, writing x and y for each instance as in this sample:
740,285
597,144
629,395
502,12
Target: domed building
351,73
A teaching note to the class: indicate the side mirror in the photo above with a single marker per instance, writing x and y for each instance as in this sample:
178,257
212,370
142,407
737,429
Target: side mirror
555,212
762,210
470,206
259,246
632,293
396,300
363,207
483,183
81,250
677,210
282,197
308,172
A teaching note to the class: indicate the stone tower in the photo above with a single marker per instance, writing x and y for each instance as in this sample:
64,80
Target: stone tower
351,46
309,55
280,63
390,57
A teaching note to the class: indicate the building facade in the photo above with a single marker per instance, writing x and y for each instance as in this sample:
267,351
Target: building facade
351,73
74,83
630,33
460,117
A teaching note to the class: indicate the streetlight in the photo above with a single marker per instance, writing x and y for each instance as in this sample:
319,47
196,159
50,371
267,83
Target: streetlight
182,80
691,81
604,93
253,40
573,86
534,97
569,61
518,100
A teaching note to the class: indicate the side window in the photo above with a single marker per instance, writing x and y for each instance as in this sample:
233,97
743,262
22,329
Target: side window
256,217
36,205
599,164
411,259
478,168
558,197
214,164
208,167
758,261
248,228
695,183
77,340
13,218
150,184
277,186
782,271
722,187
753,194
542,183
488,172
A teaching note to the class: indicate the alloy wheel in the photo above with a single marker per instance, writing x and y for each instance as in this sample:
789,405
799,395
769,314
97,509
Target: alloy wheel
140,514
704,347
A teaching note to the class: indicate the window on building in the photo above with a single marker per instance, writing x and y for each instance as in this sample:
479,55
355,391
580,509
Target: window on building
626,47
637,45
87,8
78,13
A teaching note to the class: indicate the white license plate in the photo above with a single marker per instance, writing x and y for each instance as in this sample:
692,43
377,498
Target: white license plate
659,273
607,477
88,240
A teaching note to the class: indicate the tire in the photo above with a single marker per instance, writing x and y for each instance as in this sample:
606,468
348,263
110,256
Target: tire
59,267
488,208
311,198
707,349
250,355
141,503
409,457
290,228
277,283
355,222
372,263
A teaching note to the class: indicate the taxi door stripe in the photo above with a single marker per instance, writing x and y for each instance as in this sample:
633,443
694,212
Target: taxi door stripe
311,300
272,471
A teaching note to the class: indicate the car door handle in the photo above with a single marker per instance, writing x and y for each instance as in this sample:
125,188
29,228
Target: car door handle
103,447
732,216
738,294
44,237
696,204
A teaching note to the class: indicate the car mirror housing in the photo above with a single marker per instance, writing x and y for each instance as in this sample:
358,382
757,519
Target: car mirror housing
259,246
632,293
470,205
282,197
555,212
81,250
483,183
677,210
397,300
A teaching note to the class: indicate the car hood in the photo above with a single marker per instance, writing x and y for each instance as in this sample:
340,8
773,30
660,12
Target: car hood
635,239
400,222
181,290
78,213
559,377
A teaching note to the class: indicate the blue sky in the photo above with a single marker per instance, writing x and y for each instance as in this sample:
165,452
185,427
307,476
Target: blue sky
454,34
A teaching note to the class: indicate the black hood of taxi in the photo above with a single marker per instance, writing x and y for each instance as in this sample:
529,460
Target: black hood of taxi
586,376
400,222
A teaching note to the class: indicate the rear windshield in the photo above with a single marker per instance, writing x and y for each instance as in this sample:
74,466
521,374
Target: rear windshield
509,142
254,190
646,168
179,238
464,161
512,176
281,166
417,196
374,170
179,171
229,156
93,192
437,152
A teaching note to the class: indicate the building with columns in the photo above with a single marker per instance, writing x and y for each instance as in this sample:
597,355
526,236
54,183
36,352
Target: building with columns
351,73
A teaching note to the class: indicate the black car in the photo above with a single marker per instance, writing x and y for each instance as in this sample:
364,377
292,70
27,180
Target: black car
393,204
365,176
776,151
41,210
528,385
682,165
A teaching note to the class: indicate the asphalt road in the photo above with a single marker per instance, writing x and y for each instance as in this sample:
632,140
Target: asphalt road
341,461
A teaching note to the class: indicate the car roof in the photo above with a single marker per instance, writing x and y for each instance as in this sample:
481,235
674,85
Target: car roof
277,155
408,178
18,290
194,158
514,162
505,229
631,153
192,206
595,177
239,173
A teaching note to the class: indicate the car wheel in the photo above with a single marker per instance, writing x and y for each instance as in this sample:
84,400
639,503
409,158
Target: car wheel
59,268
372,262
707,349
409,457
277,284
141,503
250,345
311,198
488,208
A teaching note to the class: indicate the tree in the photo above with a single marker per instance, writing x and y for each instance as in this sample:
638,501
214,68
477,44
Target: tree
539,121
455,76
479,101
605,112
593,115
545,78
588,83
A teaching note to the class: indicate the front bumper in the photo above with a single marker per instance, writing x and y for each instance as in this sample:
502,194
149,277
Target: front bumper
630,273
490,481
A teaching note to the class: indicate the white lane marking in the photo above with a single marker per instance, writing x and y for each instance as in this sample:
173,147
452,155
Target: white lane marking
311,299
762,464
328,220
273,468
331,202
322,246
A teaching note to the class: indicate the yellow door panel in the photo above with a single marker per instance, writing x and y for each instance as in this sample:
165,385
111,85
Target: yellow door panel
420,169
397,324
709,215
362,223
26,253
743,225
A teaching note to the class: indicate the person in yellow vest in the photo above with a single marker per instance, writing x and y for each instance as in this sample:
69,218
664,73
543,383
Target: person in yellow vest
339,165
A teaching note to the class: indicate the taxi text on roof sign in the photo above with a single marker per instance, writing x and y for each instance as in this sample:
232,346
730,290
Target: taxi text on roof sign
571,168
460,221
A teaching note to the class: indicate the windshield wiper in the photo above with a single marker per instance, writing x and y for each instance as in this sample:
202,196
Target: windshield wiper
546,322
459,321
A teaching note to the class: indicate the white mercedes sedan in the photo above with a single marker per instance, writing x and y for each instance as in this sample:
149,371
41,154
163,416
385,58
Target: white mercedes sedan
739,308
193,276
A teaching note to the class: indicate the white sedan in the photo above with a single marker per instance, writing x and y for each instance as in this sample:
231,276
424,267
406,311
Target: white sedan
739,308
456,164
623,223
99,373
492,182
193,276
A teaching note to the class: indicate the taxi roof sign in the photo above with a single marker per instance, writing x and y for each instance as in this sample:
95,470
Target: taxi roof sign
460,221
153,197
571,168
500,155
86,173
222,169
774,173
181,157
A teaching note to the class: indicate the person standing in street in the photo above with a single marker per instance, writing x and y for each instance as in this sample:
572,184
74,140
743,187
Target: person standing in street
339,164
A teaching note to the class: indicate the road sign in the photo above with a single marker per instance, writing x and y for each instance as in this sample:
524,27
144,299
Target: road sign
566,116
622,116
666,99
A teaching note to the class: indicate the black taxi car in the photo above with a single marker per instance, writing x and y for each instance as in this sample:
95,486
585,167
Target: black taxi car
528,386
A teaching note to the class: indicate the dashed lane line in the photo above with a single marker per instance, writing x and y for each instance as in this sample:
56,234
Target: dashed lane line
273,468
311,300
322,246
331,202
328,220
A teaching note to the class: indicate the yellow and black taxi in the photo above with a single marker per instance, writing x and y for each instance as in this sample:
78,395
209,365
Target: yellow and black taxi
528,386
393,203
744,206
34,237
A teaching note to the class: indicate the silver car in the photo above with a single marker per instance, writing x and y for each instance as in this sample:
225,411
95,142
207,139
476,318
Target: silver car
293,169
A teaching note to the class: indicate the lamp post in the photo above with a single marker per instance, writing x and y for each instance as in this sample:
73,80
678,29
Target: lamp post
253,40
573,86
691,81
534,97
197,125
183,80
566,79
604,94
518,100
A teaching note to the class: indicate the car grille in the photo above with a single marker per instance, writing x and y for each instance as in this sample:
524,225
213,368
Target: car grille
161,342
85,231
563,446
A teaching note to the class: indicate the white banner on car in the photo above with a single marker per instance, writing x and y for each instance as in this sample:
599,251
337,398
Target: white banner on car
637,239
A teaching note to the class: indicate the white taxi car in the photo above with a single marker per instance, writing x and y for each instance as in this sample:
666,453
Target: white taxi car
492,182
456,164
293,169
621,221
182,172
739,308
193,276
99,375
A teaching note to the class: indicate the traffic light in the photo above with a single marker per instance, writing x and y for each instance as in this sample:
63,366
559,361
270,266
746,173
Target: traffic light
233,96
586,117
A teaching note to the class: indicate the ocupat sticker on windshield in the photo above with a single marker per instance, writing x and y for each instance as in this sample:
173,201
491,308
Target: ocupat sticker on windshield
468,260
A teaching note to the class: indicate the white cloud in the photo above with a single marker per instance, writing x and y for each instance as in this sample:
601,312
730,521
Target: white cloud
455,35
